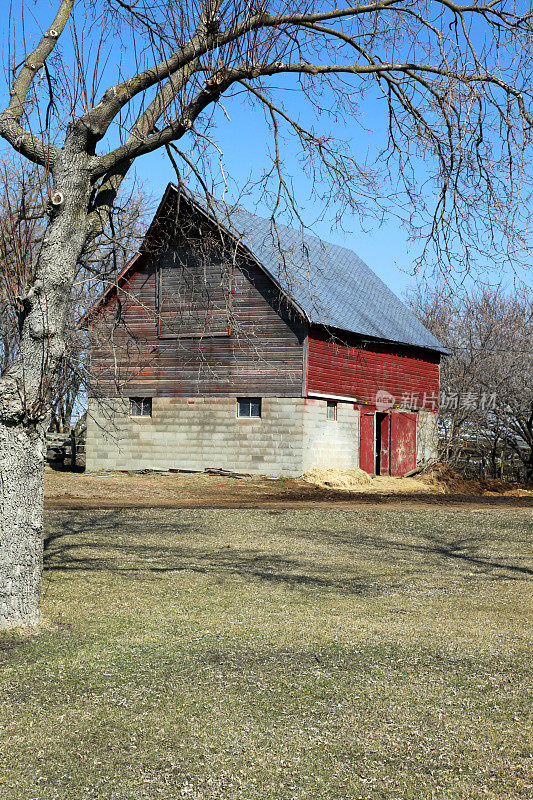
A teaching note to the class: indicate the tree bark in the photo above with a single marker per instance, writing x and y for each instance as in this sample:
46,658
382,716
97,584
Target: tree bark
25,388
22,458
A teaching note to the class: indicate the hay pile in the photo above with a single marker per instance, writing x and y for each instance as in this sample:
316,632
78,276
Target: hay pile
444,479
435,479
347,479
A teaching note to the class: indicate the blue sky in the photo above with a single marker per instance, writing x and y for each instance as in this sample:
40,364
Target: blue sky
244,142
384,249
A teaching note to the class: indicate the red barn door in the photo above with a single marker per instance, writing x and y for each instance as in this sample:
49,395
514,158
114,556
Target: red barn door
384,450
403,443
367,441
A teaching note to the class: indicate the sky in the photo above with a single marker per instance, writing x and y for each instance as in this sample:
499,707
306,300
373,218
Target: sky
243,140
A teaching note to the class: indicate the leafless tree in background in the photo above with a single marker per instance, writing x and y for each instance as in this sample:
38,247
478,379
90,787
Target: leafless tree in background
487,379
23,221
453,82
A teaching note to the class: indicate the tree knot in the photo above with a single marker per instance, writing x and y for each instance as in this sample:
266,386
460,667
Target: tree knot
24,302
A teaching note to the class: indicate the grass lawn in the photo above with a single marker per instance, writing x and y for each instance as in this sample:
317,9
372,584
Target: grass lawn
274,655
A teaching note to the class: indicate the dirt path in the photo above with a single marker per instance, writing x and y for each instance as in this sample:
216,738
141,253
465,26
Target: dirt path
65,490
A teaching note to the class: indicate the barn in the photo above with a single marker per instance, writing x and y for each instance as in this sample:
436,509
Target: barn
229,342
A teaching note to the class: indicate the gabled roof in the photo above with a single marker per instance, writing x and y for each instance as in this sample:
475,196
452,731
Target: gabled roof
330,284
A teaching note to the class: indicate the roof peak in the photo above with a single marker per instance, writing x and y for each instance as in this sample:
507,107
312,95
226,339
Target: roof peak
328,282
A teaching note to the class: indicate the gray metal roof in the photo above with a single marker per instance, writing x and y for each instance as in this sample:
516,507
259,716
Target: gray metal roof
331,284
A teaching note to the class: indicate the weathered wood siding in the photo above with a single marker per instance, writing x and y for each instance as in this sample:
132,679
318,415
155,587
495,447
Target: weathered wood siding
195,315
341,365
184,325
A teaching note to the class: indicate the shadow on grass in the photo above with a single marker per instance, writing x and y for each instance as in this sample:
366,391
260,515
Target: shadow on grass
143,560
110,541
464,551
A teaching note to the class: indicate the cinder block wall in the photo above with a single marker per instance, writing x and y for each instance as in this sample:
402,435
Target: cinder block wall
292,435
196,433
328,443
427,436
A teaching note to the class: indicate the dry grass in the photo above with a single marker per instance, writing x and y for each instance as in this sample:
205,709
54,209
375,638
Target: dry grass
274,656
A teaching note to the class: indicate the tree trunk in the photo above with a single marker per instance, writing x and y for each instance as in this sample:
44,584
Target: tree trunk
529,467
26,386
22,458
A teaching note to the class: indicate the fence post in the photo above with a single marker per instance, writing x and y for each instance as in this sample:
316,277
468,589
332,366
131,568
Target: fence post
73,448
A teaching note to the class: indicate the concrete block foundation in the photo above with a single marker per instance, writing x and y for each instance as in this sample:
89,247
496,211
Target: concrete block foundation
196,433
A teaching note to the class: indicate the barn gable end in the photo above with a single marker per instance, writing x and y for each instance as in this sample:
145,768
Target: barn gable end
192,319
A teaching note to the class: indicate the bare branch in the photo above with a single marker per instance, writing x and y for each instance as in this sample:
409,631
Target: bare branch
10,119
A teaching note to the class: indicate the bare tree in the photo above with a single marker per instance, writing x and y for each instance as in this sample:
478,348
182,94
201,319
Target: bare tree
23,221
487,378
453,82
22,218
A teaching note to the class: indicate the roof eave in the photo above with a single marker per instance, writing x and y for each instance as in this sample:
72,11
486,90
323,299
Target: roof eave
380,340
83,322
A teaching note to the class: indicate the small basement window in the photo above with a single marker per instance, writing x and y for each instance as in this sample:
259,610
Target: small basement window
248,406
140,406
331,410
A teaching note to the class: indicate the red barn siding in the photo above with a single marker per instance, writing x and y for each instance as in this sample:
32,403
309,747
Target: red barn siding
348,369
159,337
